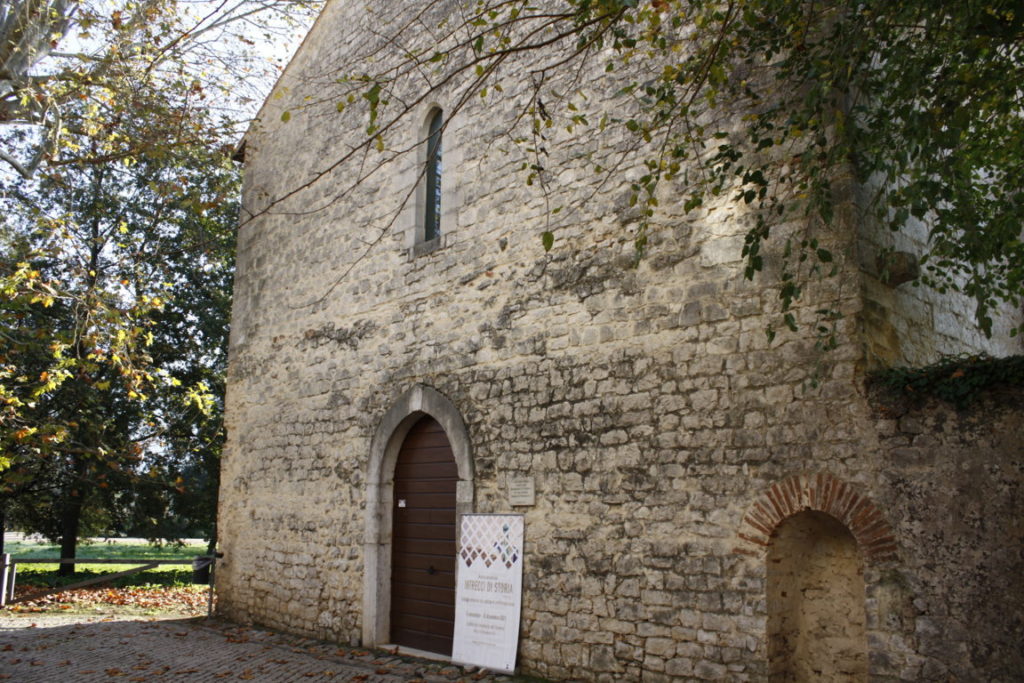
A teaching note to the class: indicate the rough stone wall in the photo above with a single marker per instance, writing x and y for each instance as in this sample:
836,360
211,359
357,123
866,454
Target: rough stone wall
953,487
643,398
913,325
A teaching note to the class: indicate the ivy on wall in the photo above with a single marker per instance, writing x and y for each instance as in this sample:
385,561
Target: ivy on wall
957,379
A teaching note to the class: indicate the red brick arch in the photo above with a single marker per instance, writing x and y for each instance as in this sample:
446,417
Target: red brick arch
824,493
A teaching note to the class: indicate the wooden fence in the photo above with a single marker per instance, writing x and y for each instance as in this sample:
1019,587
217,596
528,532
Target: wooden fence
9,573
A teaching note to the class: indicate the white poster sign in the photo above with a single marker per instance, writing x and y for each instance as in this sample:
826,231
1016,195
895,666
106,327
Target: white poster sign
489,592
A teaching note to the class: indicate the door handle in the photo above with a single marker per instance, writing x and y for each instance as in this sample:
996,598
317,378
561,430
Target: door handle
431,570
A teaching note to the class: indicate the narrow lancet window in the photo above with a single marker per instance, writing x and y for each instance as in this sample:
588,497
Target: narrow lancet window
432,218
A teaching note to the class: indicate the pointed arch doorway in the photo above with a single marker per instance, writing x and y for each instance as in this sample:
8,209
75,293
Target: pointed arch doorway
387,557
423,540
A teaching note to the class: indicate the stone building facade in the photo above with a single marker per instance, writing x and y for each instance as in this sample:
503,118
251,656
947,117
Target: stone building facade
709,505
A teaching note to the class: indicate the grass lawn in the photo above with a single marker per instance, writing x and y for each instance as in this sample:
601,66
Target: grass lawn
165,575
166,589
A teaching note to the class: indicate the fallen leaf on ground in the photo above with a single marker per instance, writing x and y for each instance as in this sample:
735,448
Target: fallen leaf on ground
171,598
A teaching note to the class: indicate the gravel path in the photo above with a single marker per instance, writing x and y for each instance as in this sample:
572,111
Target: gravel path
47,648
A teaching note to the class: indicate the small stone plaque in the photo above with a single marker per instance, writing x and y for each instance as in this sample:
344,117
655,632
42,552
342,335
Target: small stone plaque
520,491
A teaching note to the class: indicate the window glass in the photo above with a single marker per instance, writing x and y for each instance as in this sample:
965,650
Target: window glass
432,219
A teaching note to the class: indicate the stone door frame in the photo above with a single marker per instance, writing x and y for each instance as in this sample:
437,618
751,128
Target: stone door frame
387,440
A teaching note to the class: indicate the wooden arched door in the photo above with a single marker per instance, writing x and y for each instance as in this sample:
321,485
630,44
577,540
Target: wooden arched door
423,541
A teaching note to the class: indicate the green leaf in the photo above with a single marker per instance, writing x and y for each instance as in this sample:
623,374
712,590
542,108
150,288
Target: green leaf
286,116
547,238
373,94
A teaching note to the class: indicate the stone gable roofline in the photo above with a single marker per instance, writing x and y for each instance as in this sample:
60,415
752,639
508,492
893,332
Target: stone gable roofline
239,153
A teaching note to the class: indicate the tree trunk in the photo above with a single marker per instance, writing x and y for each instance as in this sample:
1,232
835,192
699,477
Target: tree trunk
3,524
69,532
71,517
74,494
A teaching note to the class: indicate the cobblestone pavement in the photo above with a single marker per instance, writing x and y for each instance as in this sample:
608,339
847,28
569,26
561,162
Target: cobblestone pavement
44,648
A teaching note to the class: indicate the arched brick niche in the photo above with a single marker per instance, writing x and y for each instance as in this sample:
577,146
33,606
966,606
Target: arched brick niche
820,492
815,597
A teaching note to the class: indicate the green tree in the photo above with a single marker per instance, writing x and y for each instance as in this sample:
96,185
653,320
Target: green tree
770,102
57,53
115,315
117,247
190,340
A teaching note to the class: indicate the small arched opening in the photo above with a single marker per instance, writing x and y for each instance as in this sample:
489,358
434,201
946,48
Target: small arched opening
815,601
